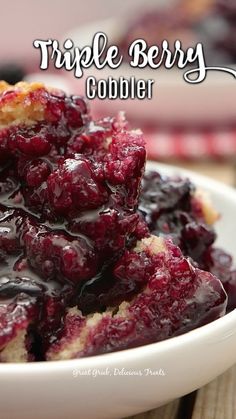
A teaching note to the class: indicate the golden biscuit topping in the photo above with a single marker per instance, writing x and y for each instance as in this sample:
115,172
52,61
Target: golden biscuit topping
24,103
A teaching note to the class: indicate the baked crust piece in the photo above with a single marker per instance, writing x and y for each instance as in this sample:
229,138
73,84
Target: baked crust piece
15,350
24,103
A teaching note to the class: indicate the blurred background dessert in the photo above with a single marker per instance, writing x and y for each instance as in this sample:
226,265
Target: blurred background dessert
211,22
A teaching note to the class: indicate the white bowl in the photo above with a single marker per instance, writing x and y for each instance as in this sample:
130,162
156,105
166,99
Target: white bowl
173,101
69,389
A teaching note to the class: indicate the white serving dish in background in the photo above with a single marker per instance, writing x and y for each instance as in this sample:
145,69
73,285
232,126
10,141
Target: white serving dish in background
174,100
56,390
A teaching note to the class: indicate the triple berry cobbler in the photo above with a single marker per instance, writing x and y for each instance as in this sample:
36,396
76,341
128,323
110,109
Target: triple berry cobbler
95,255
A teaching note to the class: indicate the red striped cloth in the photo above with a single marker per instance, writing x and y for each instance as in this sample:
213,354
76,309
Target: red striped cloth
208,144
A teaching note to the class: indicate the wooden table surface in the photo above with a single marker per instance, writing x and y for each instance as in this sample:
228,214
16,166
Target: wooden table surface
217,400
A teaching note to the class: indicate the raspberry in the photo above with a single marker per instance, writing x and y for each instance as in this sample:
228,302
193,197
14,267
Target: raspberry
73,186
58,255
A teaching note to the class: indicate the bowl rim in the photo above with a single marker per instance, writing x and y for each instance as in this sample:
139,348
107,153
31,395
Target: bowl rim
214,328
